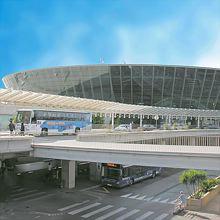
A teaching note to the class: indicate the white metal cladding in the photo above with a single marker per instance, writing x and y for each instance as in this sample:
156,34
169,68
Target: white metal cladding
26,98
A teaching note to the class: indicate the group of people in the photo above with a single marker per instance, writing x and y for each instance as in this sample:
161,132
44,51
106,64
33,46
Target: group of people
12,128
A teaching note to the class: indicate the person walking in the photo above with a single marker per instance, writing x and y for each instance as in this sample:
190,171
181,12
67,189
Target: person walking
49,173
0,167
182,200
11,127
22,129
3,168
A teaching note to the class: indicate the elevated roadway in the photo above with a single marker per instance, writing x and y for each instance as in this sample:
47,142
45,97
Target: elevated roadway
196,157
10,146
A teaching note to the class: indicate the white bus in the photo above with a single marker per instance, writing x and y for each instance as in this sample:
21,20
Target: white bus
40,121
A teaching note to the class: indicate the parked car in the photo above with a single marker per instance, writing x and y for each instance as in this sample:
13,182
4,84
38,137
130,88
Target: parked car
123,127
148,127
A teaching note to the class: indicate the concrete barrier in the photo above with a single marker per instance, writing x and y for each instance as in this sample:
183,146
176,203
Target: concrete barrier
198,204
178,137
15,144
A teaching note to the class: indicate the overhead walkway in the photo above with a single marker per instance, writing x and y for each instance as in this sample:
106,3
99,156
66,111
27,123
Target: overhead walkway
197,157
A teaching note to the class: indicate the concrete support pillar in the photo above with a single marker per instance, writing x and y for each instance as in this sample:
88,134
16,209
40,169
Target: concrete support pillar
95,171
141,121
113,120
68,173
198,124
169,119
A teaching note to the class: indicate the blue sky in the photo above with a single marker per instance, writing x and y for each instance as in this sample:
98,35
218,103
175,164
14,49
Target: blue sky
44,33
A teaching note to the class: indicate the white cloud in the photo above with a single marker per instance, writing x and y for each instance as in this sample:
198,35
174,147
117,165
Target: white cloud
211,57
145,44
63,47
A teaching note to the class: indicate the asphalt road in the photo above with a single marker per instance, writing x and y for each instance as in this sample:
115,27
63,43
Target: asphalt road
28,197
51,138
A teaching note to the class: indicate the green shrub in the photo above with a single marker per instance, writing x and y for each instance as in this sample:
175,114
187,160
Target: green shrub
208,184
192,179
198,194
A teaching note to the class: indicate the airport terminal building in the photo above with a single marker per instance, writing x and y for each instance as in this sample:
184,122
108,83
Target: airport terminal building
154,85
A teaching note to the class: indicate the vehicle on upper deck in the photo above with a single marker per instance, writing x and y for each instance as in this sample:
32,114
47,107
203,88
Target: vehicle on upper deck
44,122
149,127
123,127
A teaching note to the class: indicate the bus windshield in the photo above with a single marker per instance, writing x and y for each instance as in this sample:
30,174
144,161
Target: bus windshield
112,173
23,116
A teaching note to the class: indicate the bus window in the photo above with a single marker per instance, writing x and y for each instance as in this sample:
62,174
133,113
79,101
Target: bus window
125,172
23,116
112,173
33,120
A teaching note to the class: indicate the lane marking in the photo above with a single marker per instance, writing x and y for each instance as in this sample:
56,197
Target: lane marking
134,197
15,187
161,217
72,206
107,191
155,200
126,215
97,211
144,216
28,196
148,199
111,213
18,190
125,196
173,202
88,188
141,198
41,197
165,200
84,208
23,193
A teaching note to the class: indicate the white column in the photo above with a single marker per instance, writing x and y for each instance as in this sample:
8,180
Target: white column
198,125
113,117
169,119
141,121
68,173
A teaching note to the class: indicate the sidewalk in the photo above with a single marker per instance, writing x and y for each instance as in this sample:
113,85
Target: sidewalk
4,133
196,215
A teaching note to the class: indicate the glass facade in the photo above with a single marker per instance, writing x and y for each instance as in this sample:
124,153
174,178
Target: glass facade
156,85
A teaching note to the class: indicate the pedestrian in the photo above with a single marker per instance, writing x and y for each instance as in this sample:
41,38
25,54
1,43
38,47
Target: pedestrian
22,129
3,168
0,167
49,166
182,200
11,127
130,126
49,174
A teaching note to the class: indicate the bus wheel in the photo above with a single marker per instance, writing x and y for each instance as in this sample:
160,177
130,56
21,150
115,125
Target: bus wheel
131,181
77,129
44,132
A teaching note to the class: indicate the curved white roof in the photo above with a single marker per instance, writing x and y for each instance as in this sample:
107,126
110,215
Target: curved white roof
32,99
